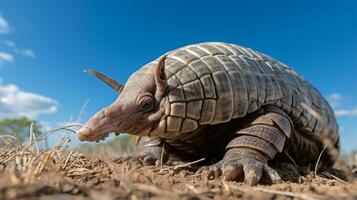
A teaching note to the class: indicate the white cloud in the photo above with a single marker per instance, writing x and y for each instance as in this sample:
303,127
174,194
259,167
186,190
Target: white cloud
6,57
4,26
336,101
14,103
346,112
9,43
24,52
27,53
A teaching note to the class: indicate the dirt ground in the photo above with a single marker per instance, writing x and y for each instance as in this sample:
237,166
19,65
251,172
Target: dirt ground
58,173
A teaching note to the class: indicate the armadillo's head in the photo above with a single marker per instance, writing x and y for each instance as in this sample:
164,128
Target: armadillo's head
136,111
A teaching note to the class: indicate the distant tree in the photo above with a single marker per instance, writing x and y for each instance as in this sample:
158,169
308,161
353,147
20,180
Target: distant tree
19,127
124,143
119,145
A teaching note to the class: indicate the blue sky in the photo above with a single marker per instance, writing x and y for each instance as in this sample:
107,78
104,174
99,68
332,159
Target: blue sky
46,44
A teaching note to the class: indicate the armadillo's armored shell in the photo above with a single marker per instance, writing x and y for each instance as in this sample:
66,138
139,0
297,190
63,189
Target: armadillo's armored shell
212,83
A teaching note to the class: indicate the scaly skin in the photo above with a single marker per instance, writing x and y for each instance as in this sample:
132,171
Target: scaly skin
219,100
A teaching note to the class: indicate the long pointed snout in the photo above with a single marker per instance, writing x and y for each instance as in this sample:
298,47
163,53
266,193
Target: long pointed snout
100,125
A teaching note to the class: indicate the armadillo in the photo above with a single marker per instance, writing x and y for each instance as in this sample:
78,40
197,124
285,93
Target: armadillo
222,101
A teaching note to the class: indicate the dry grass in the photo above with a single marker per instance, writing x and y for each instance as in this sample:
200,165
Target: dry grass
27,172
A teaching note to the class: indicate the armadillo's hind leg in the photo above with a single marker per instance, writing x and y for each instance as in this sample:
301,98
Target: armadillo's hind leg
152,151
258,141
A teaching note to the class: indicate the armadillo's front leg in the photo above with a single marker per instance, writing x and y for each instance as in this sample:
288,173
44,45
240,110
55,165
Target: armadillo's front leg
257,142
152,151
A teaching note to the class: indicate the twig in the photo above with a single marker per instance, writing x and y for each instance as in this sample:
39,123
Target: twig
319,158
189,163
162,154
8,136
284,193
31,132
153,189
291,159
82,110
225,186
184,165
66,128
6,141
277,192
192,188
34,137
65,163
335,177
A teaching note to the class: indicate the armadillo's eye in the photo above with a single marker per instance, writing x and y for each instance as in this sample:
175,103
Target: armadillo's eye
147,106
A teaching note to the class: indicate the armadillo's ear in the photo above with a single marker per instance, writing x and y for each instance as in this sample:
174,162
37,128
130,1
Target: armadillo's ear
160,69
160,78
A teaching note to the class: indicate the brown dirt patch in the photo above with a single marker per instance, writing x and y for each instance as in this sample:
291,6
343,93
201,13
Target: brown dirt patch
61,174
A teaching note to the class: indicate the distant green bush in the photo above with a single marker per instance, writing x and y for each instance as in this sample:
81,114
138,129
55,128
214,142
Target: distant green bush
19,127
120,145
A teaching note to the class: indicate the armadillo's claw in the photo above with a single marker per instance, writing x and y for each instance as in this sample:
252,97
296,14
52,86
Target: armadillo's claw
253,172
117,134
272,174
235,167
232,171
